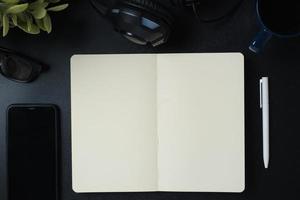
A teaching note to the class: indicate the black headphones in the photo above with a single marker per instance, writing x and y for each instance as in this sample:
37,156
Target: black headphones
144,21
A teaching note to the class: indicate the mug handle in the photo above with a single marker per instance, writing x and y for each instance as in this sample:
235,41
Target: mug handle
260,41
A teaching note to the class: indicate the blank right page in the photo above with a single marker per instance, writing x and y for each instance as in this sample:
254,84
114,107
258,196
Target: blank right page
201,122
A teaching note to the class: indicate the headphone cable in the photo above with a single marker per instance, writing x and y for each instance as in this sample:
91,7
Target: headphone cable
227,14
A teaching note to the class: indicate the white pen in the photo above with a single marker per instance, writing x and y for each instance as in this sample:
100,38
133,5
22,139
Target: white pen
264,105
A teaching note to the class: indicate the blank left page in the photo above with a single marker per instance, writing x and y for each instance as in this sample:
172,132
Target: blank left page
114,138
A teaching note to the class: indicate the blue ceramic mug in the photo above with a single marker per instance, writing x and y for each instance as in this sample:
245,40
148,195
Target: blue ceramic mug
276,18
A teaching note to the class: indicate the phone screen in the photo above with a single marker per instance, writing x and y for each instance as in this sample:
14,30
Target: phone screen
32,153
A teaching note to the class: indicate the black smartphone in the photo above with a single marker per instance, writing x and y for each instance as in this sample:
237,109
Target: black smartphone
32,141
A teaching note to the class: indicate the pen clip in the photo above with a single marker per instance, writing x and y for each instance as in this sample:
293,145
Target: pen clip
260,93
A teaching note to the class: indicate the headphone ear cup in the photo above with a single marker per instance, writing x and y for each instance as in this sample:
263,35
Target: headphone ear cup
152,7
142,21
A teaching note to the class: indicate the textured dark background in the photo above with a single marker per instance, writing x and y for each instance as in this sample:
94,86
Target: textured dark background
80,30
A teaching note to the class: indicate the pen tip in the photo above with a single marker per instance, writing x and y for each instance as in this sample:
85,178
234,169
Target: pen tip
266,165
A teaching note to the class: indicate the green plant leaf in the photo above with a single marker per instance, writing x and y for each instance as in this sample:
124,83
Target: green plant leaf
38,4
1,22
40,24
21,17
25,22
29,15
10,1
22,26
39,1
14,19
58,8
34,29
5,22
17,8
47,23
29,22
39,13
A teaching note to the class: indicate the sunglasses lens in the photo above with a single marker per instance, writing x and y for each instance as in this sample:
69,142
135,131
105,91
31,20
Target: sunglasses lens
16,68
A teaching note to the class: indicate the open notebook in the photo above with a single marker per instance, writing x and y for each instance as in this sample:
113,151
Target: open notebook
166,122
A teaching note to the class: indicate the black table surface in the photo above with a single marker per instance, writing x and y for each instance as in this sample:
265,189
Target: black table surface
79,30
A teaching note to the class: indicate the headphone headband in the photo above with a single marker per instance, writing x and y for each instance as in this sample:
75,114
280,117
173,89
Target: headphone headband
185,3
150,21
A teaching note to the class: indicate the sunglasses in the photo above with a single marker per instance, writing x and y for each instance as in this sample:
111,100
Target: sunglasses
19,68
